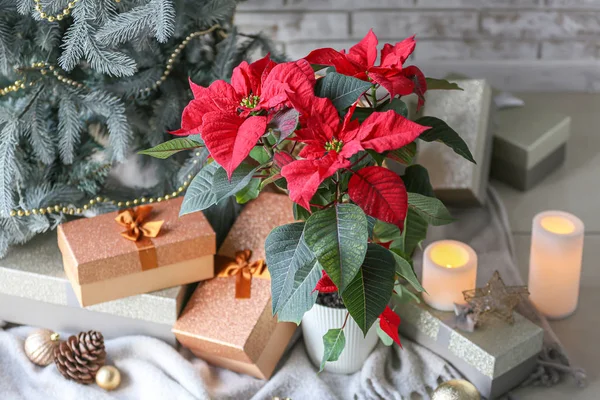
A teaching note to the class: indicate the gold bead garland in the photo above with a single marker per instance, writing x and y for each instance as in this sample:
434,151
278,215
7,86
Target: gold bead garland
59,16
172,58
46,68
99,200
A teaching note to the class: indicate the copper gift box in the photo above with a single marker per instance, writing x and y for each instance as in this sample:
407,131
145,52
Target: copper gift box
236,333
102,265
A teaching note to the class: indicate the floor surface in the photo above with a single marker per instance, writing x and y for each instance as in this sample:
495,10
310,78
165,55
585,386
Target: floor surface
575,188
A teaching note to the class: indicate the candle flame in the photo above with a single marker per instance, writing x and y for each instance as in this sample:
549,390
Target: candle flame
449,255
559,225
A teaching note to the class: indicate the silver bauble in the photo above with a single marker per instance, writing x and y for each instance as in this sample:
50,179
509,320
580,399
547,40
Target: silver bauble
40,345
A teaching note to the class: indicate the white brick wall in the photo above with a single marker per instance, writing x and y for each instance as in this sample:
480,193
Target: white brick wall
488,38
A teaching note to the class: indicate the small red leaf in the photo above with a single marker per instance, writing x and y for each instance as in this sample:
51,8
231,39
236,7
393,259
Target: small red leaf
380,193
282,159
389,322
386,244
325,284
416,75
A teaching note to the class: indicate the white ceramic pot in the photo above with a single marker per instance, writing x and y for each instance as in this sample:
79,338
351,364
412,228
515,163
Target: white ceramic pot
318,321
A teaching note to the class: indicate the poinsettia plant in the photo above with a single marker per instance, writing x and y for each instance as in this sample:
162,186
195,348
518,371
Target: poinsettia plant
324,139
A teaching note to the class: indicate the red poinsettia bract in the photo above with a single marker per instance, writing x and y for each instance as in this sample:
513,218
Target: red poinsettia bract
232,117
380,193
389,322
325,284
359,62
329,144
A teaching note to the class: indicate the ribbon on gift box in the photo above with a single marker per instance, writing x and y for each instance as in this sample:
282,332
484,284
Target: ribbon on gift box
243,270
140,231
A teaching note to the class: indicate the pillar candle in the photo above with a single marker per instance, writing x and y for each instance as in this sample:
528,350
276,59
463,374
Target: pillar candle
555,263
449,267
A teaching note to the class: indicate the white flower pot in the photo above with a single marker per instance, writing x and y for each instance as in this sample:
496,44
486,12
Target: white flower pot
318,321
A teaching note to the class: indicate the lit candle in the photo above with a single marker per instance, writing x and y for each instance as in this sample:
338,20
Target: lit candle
555,263
449,267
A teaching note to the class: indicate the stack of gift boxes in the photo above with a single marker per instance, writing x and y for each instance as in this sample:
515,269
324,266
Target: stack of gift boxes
133,271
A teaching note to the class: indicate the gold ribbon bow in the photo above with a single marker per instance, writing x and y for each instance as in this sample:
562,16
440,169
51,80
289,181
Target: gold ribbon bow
138,230
243,270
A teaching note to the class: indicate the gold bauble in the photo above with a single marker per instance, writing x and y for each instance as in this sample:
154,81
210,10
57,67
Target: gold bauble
108,377
40,345
456,389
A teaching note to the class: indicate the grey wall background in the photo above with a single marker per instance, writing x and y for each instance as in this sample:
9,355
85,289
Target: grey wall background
540,45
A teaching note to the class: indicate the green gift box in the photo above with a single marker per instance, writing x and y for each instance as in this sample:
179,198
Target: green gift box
529,143
455,180
35,291
495,357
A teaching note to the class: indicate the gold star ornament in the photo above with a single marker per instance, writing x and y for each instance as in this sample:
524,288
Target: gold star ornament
495,298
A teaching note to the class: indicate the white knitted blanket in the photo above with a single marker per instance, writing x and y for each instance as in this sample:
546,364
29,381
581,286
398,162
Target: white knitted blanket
152,369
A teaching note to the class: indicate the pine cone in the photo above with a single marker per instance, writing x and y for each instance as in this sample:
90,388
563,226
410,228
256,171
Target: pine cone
80,357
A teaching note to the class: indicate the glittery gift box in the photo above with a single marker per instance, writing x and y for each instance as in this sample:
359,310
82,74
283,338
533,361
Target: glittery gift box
34,290
529,143
240,333
496,357
455,180
102,265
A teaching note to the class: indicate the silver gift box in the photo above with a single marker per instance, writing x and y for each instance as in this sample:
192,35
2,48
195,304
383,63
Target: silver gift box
455,180
35,291
496,357
529,143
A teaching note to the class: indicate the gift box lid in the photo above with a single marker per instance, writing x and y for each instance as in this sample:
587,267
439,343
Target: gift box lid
94,250
35,271
493,348
215,321
524,136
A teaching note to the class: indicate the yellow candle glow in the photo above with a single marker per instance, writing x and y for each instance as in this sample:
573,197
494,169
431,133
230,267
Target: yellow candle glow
555,263
449,267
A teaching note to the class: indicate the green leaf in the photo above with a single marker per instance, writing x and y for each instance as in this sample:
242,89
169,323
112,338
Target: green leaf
272,179
287,253
221,217
223,187
430,209
334,342
404,155
250,192
441,84
199,195
404,295
302,298
260,155
384,232
300,213
378,157
371,221
415,231
371,289
338,237
416,180
397,105
405,270
342,90
385,338
167,149
442,132
362,113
